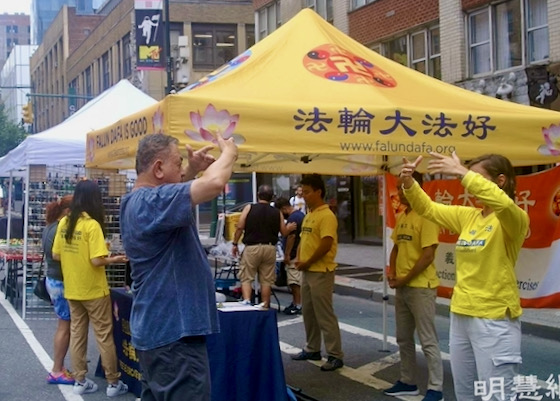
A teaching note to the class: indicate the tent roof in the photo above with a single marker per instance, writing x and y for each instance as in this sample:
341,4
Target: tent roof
65,143
308,98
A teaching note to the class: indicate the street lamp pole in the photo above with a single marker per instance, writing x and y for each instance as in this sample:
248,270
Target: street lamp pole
168,48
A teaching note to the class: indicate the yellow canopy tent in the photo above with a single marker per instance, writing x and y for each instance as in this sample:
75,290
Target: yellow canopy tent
308,98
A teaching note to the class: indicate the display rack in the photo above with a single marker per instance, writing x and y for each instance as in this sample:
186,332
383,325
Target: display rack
46,184
113,186
49,183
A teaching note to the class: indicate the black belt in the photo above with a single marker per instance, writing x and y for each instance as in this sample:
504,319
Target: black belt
193,339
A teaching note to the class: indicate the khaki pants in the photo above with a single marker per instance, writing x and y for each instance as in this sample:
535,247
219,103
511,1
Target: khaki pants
258,259
99,312
318,313
415,309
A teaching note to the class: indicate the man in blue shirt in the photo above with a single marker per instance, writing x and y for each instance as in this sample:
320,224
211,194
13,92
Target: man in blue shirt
174,305
290,244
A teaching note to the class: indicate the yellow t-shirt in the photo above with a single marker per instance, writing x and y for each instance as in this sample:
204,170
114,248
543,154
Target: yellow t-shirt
487,249
82,280
317,224
413,233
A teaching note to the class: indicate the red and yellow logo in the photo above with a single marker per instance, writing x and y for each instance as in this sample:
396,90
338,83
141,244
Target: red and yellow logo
337,64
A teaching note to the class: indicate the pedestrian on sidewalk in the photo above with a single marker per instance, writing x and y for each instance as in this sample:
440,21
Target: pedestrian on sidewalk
315,258
260,224
290,245
297,201
174,302
412,274
54,212
80,246
485,330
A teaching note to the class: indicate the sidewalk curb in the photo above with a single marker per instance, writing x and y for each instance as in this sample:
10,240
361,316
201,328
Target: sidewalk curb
343,286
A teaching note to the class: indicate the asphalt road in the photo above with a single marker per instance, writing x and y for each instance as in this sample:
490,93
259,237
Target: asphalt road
371,361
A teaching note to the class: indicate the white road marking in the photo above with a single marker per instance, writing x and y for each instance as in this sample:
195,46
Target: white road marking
361,375
289,322
36,347
364,374
379,336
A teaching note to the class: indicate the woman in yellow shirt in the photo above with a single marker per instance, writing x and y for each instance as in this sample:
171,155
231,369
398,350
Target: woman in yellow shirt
485,331
80,246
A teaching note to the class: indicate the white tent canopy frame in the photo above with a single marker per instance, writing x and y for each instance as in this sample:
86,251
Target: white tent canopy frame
65,143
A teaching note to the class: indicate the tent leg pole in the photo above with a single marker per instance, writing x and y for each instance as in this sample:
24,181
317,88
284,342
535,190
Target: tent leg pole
25,243
385,294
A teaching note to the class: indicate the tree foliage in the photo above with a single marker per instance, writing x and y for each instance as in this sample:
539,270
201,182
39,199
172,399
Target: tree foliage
11,135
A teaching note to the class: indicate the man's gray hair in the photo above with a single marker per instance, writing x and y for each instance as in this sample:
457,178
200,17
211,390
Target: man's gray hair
151,147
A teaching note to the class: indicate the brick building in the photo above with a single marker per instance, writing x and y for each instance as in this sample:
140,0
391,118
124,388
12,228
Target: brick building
44,12
503,49
83,55
48,65
14,30
212,32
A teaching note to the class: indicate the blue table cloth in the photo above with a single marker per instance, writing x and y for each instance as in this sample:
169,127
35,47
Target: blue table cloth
245,359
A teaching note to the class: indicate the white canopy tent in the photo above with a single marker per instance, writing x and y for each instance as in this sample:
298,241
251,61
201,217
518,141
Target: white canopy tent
65,143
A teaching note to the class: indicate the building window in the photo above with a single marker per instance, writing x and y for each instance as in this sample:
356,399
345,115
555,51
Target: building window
434,66
322,7
119,59
269,19
88,83
397,50
15,29
213,45
249,35
376,48
419,54
497,36
537,30
105,61
127,56
360,3
479,24
418,50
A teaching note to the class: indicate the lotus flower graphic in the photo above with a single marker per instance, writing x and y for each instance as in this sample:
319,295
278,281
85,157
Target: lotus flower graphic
157,121
552,140
208,125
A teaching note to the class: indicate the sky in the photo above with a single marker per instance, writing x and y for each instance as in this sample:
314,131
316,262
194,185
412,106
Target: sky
24,6
15,6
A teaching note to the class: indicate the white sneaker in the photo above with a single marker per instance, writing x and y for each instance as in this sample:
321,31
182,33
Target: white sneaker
114,390
88,386
262,306
244,302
